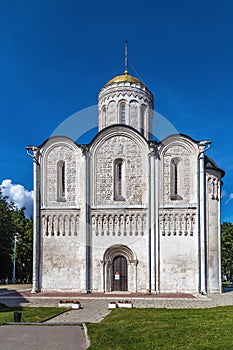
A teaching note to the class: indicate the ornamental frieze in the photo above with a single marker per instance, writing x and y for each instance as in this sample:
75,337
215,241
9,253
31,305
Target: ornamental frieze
132,223
213,187
60,224
177,223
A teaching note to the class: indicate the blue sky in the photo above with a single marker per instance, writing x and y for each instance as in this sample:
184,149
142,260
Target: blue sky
56,56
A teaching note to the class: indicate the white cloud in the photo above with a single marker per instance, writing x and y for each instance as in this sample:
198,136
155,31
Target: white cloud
19,195
224,193
230,197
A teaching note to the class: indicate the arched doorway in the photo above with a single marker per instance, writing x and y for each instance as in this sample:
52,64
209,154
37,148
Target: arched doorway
119,274
119,269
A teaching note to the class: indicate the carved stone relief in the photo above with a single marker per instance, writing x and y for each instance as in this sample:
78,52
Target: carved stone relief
60,224
213,186
134,120
185,183
177,223
119,223
112,113
67,155
126,149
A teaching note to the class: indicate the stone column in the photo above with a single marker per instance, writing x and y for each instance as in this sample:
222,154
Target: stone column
36,222
202,218
86,214
152,217
132,271
219,236
149,215
156,213
102,276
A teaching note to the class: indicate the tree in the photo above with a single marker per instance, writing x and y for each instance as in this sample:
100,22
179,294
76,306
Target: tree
24,252
6,237
227,249
12,221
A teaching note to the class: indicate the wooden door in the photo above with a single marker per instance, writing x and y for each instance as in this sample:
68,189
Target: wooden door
119,274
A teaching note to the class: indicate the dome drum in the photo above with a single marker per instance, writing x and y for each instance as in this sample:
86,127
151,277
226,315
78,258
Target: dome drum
126,100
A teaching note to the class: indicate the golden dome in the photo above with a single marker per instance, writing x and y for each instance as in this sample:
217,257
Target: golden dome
124,77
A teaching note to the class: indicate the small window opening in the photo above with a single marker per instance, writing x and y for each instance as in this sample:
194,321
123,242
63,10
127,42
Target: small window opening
61,181
122,111
175,179
119,179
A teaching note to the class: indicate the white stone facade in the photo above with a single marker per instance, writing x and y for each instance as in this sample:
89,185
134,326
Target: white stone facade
126,213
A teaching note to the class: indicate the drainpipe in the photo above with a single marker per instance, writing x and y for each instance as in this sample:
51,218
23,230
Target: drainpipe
203,147
34,152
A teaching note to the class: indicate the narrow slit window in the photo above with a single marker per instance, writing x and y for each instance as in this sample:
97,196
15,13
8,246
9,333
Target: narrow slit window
175,179
119,179
104,117
142,119
122,113
61,181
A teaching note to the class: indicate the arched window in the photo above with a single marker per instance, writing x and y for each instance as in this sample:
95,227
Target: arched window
122,113
119,180
142,119
175,179
61,180
104,117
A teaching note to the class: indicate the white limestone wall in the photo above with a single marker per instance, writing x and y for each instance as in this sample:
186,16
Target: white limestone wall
122,228
63,263
213,196
186,152
178,262
119,222
119,143
63,223
55,150
178,216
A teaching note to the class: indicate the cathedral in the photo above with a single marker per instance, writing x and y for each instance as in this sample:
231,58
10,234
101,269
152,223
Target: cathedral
126,213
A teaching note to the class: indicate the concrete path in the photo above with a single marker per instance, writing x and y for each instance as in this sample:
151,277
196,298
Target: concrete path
94,309
42,337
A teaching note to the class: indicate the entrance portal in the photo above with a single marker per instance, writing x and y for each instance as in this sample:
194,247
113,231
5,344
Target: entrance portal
119,274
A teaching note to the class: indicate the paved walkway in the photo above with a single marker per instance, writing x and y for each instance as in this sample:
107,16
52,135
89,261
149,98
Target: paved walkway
95,308
44,337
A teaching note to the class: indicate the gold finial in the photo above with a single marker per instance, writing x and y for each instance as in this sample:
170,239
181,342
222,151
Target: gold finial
126,57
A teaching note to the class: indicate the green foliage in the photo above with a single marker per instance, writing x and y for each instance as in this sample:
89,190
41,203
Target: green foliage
29,314
24,248
164,329
6,236
12,221
227,249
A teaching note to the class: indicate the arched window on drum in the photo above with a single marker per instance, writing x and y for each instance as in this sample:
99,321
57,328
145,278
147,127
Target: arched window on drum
104,121
122,113
143,120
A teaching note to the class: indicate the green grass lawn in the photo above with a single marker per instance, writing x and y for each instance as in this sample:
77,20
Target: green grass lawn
29,314
164,329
